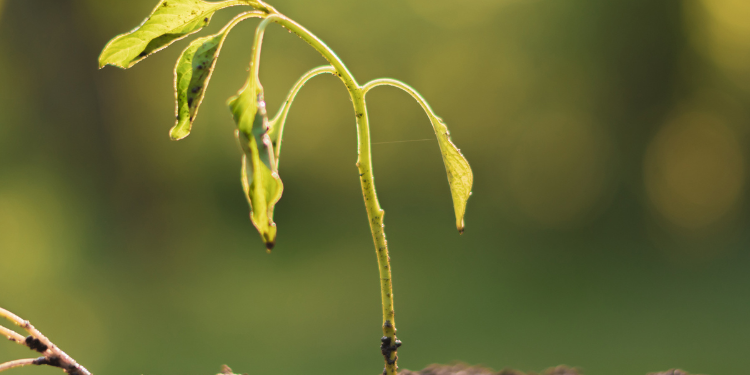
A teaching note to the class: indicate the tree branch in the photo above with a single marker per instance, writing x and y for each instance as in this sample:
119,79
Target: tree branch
16,363
52,355
12,335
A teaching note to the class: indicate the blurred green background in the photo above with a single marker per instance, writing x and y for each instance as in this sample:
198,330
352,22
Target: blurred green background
608,227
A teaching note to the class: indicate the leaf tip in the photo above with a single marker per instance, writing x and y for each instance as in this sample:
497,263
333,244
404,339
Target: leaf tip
103,62
179,131
269,237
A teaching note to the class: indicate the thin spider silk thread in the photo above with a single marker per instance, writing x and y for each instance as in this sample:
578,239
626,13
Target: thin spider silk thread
412,140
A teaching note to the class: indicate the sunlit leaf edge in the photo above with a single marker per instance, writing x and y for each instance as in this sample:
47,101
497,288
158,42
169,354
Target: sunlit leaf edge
105,59
183,126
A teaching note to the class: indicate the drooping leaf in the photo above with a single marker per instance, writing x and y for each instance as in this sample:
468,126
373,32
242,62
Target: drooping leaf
170,21
192,73
276,125
260,178
460,177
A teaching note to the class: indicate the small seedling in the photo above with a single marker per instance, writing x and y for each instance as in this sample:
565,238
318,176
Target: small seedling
260,138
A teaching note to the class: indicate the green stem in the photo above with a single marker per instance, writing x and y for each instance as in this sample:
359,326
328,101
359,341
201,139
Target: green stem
396,83
277,123
364,164
239,18
260,5
231,3
258,44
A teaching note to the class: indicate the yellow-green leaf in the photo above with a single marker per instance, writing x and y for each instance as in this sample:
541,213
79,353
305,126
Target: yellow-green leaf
260,178
171,20
460,177
192,73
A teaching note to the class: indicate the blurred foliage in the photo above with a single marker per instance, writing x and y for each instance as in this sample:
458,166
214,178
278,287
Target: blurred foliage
607,230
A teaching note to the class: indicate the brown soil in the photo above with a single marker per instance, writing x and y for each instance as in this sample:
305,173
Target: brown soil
464,369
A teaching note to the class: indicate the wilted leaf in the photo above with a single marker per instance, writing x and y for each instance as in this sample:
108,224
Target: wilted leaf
171,20
460,177
192,73
260,178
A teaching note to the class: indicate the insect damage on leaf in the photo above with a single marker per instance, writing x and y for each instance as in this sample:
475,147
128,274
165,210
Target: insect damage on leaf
192,73
170,21
260,178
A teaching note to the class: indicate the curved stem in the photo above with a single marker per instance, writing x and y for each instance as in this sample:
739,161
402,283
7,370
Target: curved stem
230,3
258,44
367,181
323,49
260,5
460,177
396,83
17,363
239,18
278,121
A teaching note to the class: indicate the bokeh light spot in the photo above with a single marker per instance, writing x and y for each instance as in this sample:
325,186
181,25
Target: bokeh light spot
721,30
694,170
730,16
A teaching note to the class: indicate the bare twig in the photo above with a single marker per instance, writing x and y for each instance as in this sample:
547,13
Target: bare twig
16,363
12,335
52,355
10,316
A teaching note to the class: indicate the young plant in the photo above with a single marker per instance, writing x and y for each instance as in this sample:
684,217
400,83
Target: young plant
260,138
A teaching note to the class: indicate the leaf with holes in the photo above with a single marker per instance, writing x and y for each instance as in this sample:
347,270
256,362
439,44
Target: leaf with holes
170,21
